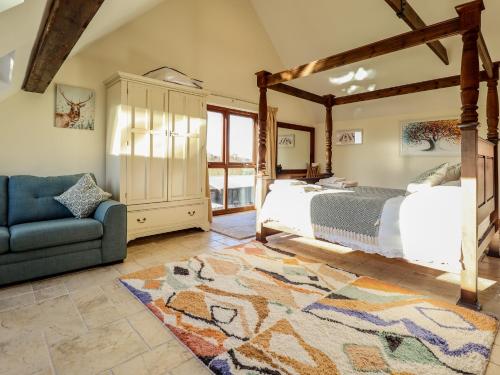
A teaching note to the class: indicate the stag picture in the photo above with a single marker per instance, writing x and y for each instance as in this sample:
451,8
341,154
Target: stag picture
75,108
430,138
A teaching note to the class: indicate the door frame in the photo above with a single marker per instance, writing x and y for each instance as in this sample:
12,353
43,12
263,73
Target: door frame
226,164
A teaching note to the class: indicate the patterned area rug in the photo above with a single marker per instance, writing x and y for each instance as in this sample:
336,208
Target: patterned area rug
250,310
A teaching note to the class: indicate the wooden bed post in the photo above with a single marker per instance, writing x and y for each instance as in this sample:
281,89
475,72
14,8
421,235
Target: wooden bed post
262,182
492,120
470,18
329,99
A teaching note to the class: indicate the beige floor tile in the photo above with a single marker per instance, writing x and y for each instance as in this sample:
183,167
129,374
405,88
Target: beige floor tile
495,354
95,307
165,357
48,283
150,328
46,371
15,359
98,350
492,369
135,366
50,292
11,291
89,278
121,298
191,367
57,318
16,301
61,319
128,266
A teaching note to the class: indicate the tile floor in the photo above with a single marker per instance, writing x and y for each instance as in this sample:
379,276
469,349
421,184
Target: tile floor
85,323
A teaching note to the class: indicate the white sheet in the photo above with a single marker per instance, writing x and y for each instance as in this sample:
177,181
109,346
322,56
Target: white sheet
424,226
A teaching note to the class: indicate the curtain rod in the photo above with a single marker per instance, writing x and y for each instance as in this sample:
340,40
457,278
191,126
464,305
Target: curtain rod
232,98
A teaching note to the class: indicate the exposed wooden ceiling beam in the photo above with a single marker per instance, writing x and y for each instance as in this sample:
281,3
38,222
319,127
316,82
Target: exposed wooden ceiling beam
412,19
410,88
382,47
65,21
485,55
290,90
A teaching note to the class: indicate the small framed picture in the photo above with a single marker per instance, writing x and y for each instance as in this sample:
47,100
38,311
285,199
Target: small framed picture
349,137
75,107
286,140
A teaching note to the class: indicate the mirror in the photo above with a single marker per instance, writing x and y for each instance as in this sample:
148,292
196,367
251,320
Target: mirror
294,147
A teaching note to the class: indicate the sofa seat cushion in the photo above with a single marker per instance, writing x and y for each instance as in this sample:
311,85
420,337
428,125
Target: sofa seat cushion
41,234
4,240
49,252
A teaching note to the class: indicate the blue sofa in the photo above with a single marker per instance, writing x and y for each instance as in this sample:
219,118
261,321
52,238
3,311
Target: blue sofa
40,237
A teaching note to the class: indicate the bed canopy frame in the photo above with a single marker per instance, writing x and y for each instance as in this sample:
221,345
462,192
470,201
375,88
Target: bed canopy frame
479,157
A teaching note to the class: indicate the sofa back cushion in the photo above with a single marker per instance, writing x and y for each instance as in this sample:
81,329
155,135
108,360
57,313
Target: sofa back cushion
31,198
3,200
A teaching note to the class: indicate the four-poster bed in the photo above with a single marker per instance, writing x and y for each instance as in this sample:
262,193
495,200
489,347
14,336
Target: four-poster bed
479,160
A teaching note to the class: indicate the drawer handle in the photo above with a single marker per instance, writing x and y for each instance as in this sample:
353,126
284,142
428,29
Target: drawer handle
141,221
191,213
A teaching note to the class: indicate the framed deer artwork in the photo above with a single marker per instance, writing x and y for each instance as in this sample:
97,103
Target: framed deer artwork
75,107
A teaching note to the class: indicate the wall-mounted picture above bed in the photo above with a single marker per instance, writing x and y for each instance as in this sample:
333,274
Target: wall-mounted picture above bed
349,137
430,137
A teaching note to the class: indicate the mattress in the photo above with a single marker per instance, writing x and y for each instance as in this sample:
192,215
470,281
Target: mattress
424,226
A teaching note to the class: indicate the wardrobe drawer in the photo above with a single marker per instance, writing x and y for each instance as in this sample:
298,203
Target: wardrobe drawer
163,217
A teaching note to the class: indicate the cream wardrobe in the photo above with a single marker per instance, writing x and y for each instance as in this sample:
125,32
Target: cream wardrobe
156,153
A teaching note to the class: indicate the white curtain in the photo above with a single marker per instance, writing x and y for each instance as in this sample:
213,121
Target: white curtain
207,194
272,130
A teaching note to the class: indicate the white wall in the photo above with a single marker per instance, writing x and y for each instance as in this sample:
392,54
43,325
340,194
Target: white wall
220,42
29,142
377,162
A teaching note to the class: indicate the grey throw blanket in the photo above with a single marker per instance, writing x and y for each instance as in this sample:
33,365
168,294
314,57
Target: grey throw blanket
353,212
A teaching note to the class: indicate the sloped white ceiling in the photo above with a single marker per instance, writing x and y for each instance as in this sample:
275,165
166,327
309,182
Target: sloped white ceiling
18,31
306,30
19,28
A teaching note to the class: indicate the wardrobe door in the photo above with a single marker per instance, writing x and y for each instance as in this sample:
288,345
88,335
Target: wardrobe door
187,114
146,161
158,172
139,144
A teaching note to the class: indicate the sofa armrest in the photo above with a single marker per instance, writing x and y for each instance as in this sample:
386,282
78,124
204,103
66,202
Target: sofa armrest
113,216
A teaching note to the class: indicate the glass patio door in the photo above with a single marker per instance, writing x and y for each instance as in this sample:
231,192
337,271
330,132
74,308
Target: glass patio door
231,159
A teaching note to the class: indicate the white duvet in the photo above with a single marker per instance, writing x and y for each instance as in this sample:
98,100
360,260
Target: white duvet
424,226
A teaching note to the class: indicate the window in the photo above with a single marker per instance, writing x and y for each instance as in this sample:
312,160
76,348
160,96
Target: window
231,159
6,68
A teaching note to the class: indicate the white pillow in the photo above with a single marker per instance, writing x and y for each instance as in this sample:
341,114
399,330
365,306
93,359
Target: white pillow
453,173
429,178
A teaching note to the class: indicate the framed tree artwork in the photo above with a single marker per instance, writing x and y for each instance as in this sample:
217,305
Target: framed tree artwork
430,137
